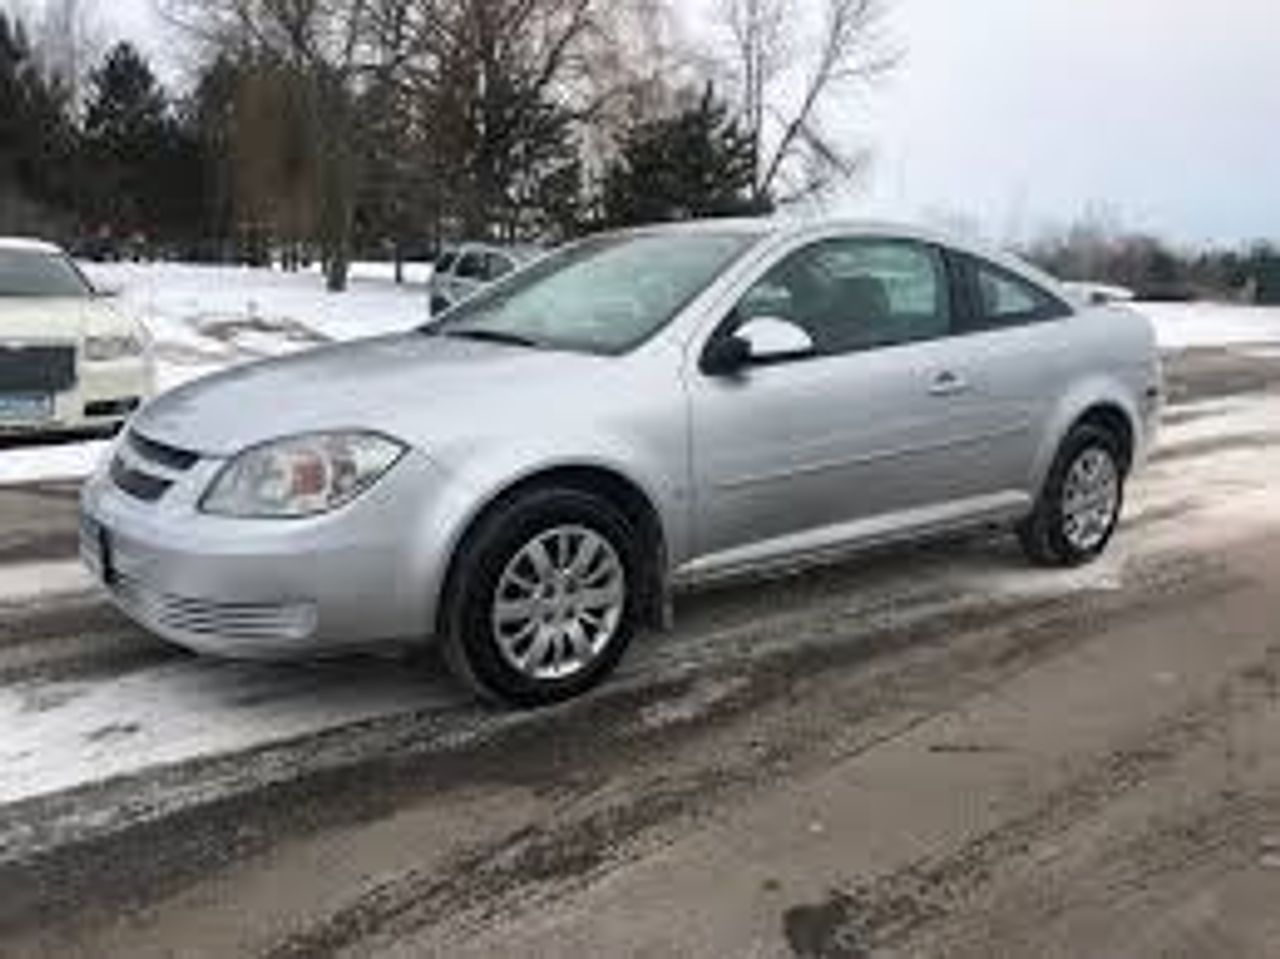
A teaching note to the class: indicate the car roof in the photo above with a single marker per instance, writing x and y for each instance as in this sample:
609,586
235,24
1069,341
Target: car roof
25,245
783,228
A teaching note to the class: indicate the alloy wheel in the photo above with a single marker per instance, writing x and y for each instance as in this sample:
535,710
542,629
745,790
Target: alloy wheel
559,603
1090,499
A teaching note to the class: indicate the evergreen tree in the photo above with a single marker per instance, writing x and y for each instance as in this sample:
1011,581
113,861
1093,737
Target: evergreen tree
128,133
38,143
696,163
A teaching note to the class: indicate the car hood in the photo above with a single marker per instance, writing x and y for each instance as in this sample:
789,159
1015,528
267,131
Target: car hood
410,386
59,319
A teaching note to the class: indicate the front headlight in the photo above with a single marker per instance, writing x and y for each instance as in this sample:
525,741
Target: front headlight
104,349
301,476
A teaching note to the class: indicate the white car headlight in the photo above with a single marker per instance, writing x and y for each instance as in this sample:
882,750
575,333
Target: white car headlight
104,349
301,476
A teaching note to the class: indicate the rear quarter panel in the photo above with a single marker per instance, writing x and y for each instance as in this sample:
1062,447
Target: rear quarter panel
1111,360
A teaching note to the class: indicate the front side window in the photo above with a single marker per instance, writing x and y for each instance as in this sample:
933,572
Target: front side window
604,295
472,266
37,274
445,263
856,294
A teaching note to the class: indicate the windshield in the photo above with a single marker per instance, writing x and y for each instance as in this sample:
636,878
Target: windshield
603,295
34,273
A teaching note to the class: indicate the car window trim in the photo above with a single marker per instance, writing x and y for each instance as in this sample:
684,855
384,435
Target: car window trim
732,319
472,256
974,321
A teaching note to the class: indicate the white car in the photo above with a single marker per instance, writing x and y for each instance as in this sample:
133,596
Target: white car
69,360
464,271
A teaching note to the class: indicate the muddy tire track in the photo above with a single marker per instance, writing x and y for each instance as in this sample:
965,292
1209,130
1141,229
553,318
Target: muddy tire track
813,708
890,914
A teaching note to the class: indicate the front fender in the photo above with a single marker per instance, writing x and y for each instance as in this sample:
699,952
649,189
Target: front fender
470,487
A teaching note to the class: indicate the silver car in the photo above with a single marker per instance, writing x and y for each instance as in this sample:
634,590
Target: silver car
529,479
461,273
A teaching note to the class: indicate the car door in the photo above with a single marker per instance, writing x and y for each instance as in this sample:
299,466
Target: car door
840,442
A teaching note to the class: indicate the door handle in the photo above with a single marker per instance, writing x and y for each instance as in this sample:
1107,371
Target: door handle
948,383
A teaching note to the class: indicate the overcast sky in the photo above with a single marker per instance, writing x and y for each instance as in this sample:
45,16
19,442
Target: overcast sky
1017,114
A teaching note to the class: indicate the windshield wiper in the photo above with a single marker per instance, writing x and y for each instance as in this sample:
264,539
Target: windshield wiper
495,336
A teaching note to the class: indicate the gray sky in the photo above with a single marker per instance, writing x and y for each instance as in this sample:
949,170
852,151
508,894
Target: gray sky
1018,114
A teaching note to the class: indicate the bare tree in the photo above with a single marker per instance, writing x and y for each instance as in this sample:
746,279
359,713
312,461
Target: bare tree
322,52
787,81
69,43
511,98
478,117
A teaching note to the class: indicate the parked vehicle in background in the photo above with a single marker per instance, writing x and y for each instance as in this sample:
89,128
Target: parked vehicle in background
462,271
529,477
70,361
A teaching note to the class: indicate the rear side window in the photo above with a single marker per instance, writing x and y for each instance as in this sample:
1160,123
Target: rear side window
1002,299
498,266
445,263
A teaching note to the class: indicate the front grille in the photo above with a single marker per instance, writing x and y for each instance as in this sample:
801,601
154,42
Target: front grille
113,408
170,457
207,618
37,369
137,484
146,469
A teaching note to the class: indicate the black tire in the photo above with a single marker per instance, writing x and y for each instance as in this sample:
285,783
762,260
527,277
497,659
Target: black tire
1043,533
438,305
469,644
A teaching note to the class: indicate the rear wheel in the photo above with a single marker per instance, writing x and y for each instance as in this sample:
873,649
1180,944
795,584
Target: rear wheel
1079,507
541,605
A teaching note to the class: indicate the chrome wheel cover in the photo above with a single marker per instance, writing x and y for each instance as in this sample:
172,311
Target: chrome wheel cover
559,603
1090,499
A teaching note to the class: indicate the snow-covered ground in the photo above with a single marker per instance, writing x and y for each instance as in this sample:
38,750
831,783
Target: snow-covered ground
208,318
64,732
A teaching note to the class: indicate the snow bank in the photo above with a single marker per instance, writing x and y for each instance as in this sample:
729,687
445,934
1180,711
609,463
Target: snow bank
1181,326
69,461
64,734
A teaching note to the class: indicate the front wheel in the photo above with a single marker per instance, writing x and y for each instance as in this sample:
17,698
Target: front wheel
542,603
1079,507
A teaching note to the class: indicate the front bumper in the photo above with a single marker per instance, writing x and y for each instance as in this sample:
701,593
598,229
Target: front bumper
103,397
267,589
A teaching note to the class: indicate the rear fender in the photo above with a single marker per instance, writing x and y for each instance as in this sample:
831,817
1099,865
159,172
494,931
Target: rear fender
1100,390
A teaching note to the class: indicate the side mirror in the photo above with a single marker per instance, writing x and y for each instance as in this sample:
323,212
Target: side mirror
759,341
771,338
